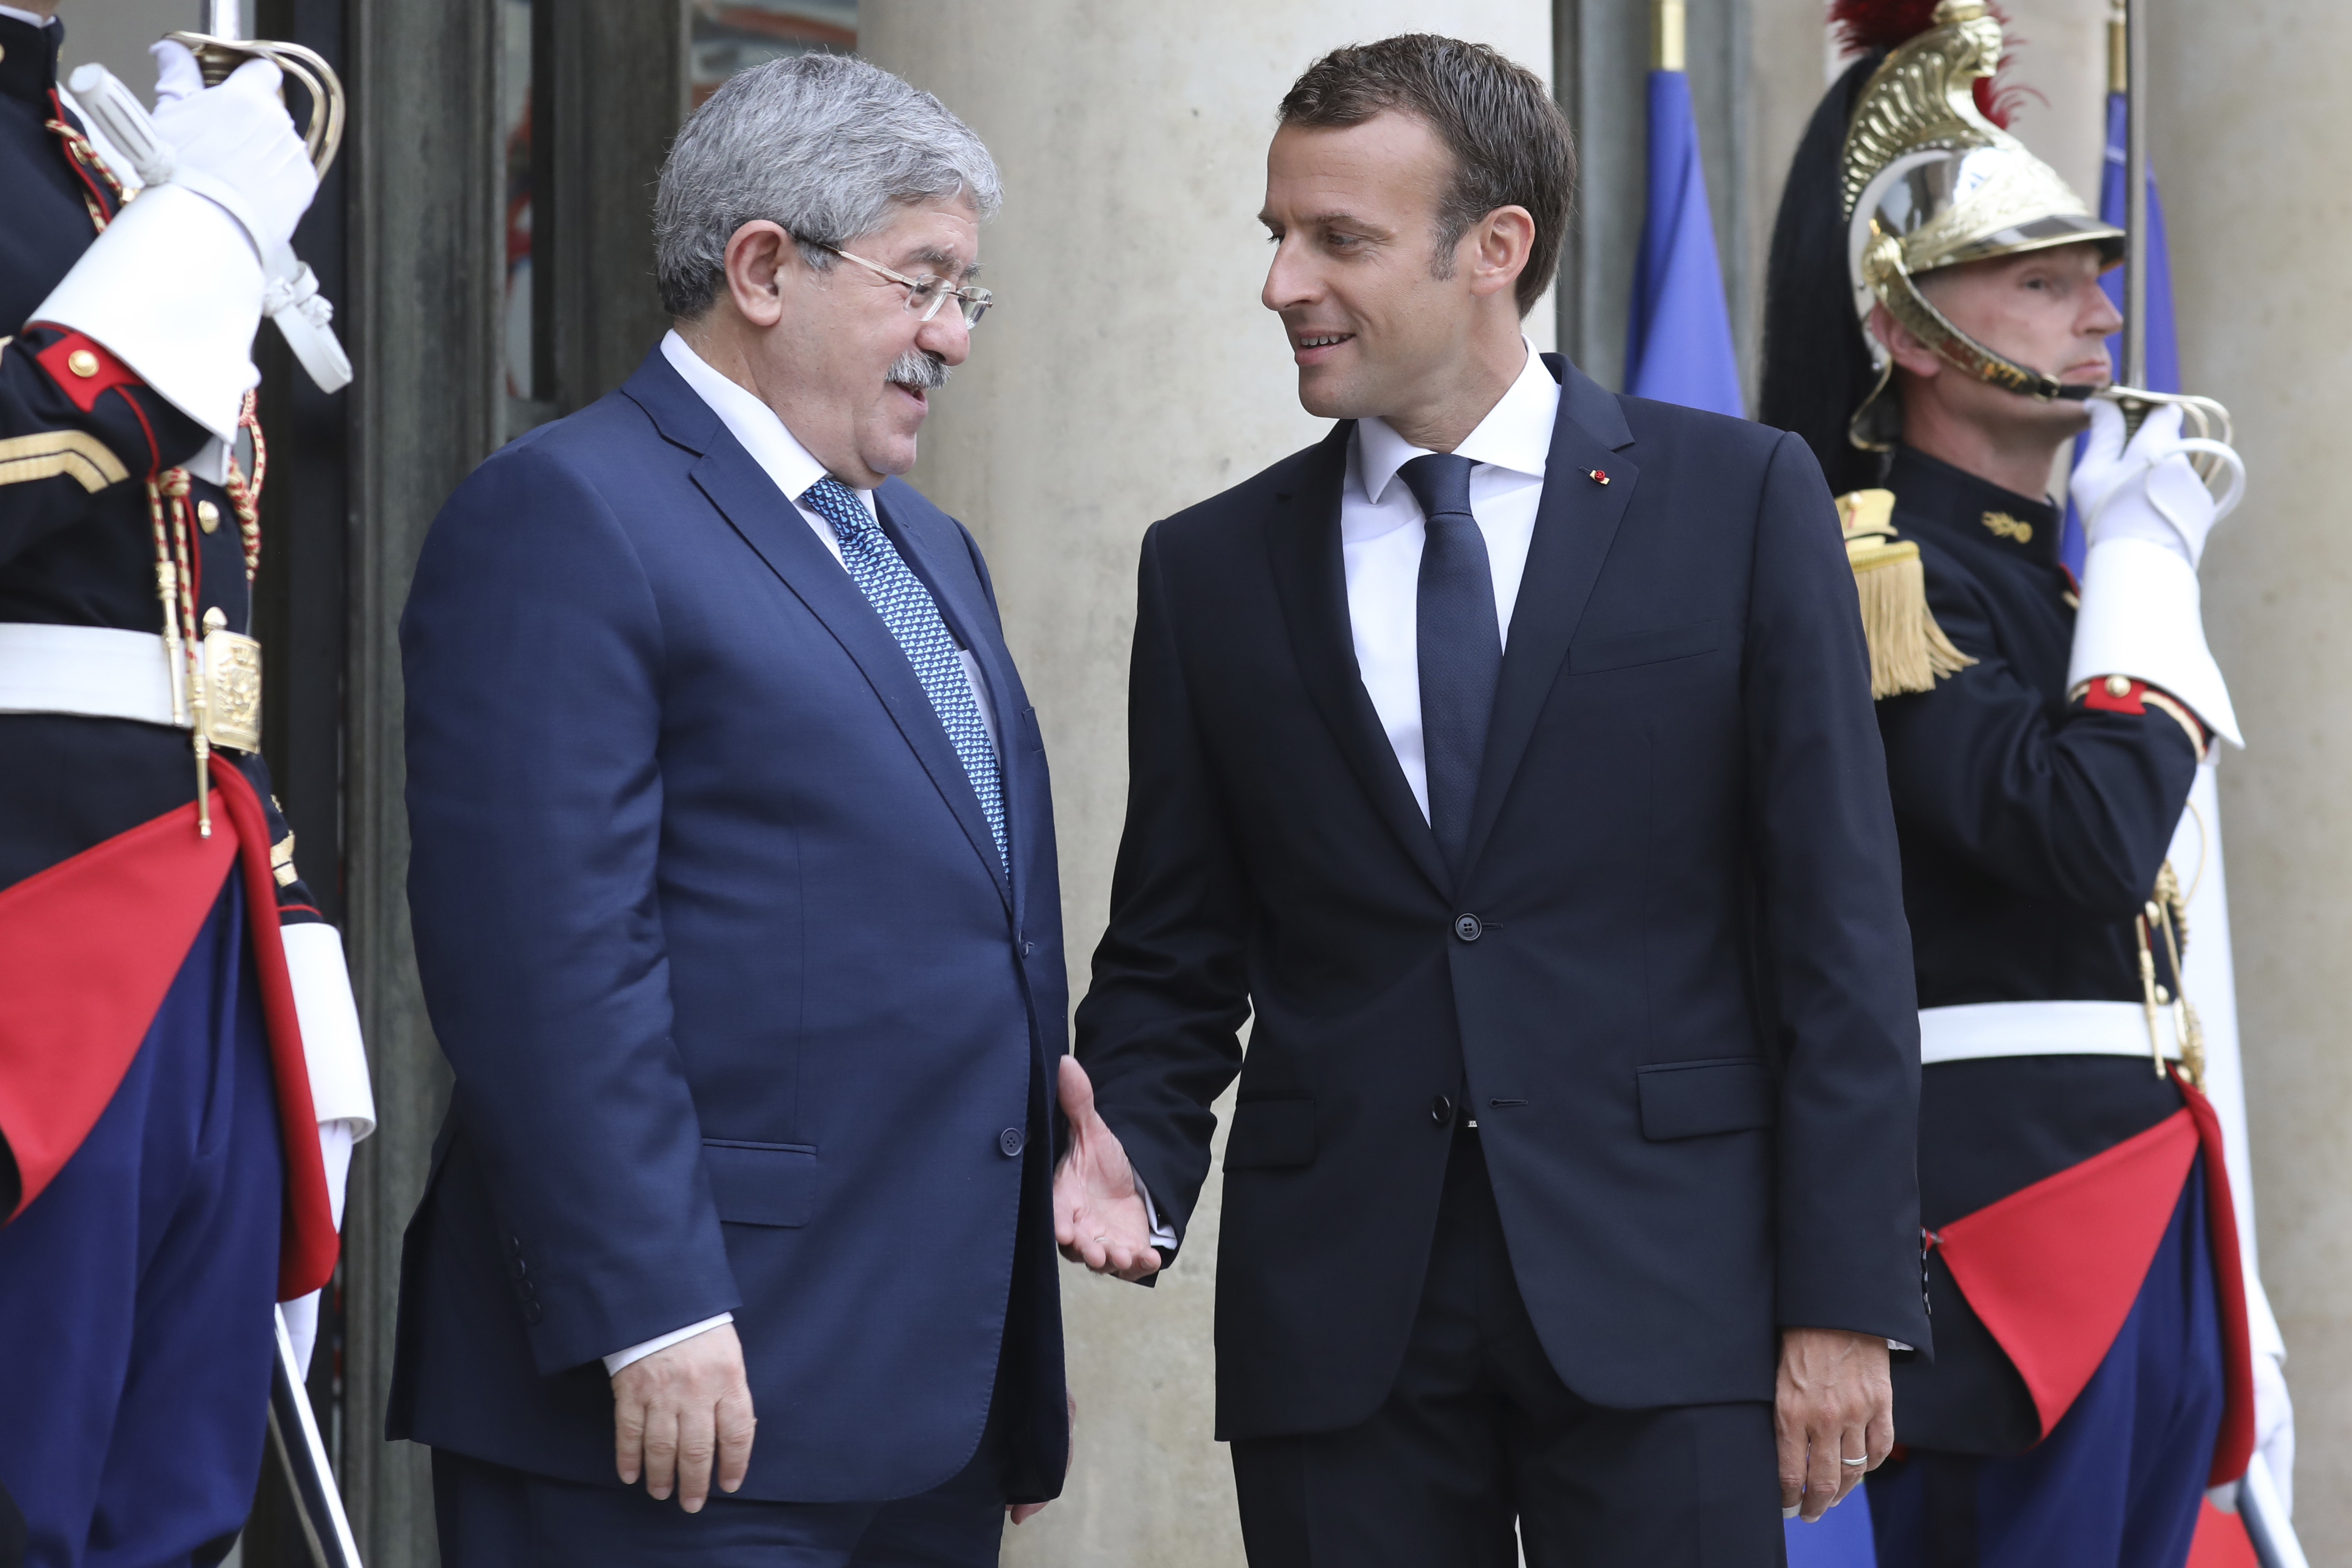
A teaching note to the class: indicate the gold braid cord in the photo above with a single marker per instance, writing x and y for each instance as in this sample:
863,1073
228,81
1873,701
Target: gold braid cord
79,149
2165,916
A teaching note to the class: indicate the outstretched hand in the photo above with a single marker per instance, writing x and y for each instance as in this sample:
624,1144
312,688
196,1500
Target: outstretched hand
1099,1218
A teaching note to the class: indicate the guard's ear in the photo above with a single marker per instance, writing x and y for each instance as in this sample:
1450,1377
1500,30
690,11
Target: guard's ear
759,256
1909,353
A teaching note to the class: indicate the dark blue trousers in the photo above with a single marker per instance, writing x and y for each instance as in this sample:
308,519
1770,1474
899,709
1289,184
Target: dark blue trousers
493,1517
2119,1483
135,1292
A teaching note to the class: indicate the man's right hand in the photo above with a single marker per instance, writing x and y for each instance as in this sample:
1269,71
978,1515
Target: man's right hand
681,1412
1099,1219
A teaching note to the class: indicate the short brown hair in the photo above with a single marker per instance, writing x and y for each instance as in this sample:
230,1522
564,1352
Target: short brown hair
1511,144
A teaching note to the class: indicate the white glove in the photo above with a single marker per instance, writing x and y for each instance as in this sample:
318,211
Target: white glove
2146,491
236,143
2274,1426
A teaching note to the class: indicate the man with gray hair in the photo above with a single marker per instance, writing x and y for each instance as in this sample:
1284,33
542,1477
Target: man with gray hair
735,903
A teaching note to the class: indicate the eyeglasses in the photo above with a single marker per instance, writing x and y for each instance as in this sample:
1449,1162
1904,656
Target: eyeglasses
925,295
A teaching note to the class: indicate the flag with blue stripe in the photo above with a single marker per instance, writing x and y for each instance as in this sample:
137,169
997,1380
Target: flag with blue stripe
1678,339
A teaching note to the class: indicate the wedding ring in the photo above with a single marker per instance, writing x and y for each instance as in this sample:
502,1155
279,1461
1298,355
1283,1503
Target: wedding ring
1864,1460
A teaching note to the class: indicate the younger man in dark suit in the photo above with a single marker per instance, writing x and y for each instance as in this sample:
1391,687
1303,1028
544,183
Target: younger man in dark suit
1509,755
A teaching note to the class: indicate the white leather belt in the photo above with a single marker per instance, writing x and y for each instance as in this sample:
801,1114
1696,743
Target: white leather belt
96,672
1983,1030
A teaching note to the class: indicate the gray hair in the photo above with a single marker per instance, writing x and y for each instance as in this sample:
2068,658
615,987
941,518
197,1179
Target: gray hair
821,145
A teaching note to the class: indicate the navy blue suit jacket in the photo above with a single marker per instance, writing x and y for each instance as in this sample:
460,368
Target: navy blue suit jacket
745,1013
1681,1007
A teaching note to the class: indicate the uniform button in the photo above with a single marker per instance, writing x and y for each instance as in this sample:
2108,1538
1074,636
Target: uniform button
1467,927
81,362
207,517
2119,686
1012,1140
1440,1109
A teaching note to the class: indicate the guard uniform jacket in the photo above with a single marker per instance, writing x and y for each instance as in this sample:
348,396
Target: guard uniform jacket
77,541
2032,830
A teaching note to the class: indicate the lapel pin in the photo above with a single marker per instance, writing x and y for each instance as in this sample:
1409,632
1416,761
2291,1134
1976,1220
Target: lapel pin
1598,476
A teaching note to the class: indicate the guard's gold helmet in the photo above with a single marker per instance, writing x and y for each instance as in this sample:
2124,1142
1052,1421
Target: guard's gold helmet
1928,182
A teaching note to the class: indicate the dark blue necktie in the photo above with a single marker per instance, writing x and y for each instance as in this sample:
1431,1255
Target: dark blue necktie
1461,646
907,608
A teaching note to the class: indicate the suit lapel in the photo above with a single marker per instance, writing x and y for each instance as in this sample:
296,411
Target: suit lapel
776,531
1576,523
1310,576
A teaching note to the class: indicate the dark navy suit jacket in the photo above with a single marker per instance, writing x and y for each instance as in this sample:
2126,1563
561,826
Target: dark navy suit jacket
745,1014
1674,982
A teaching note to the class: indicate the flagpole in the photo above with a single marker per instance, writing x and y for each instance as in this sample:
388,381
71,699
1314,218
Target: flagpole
1667,35
2133,17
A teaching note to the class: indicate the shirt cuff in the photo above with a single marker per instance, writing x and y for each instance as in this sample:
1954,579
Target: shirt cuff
619,1359
1163,1235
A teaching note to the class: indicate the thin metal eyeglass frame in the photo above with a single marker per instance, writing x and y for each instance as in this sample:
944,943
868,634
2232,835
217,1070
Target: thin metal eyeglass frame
974,299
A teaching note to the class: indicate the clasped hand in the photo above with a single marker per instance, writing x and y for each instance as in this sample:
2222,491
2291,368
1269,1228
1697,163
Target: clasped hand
1100,1217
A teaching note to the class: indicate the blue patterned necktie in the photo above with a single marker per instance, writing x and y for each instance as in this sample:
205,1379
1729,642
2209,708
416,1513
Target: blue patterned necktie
1460,645
906,607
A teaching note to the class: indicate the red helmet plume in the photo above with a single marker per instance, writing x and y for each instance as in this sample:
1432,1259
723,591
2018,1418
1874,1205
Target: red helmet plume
1865,24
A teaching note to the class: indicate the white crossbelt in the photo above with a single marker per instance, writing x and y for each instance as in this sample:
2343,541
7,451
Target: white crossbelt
95,672
1982,1030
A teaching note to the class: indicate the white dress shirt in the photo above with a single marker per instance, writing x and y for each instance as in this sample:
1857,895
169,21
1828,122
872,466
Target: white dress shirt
788,463
1381,530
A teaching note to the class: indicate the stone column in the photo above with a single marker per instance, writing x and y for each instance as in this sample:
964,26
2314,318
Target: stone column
2248,107
1129,372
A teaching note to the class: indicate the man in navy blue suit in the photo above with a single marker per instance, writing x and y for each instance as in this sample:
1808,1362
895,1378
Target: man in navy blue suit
1508,758
735,903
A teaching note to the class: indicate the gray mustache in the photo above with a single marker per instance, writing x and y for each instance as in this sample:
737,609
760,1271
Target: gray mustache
918,368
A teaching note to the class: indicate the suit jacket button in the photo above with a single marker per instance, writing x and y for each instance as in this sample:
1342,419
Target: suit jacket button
532,1312
1027,948
1440,1109
1467,927
1012,1140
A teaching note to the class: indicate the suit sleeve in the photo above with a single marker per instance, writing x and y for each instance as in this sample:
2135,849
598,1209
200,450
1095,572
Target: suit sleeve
1159,1032
532,651
64,437
2075,805
1835,950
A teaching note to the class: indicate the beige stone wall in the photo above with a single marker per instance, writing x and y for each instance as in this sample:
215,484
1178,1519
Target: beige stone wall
1129,372
2250,110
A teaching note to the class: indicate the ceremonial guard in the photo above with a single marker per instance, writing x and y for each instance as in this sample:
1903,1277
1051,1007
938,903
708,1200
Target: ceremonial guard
1935,329
180,1075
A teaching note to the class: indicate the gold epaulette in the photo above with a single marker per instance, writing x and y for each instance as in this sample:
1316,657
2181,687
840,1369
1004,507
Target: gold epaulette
1908,652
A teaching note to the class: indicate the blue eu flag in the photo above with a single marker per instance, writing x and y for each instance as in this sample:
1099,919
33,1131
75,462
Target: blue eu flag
1679,341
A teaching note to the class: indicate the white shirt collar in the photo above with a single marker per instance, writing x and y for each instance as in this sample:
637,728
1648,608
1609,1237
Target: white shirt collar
1515,434
752,422
14,14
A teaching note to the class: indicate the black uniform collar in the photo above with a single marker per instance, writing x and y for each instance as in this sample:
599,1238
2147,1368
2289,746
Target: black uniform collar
1966,507
29,60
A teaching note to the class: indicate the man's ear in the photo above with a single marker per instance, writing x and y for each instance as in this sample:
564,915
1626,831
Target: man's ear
1909,351
759,257
1500,244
